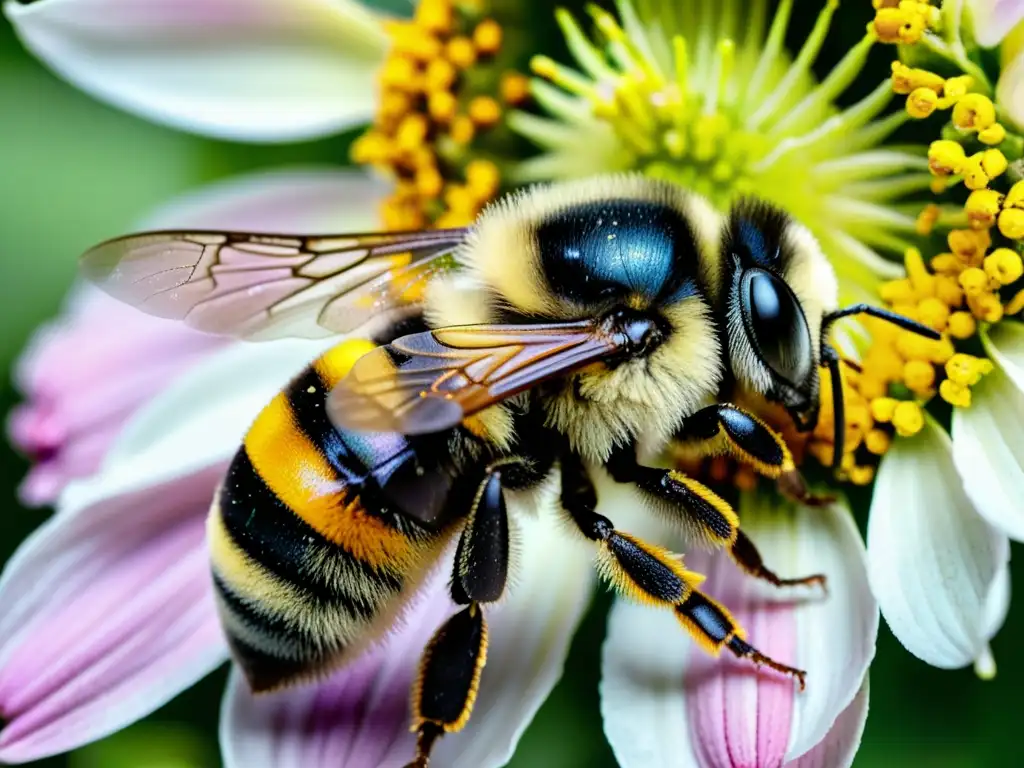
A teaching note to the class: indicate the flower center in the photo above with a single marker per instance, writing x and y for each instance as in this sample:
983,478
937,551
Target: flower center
444,90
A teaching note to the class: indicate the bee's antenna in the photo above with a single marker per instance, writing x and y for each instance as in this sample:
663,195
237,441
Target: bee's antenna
882,314
830,357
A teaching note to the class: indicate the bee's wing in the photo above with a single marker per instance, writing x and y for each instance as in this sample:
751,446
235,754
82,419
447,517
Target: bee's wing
267,286
428,382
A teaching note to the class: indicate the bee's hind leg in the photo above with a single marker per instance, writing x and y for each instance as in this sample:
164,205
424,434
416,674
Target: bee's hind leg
650,574
445,688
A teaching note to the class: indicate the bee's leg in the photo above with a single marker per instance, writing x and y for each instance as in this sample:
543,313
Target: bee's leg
724,428
445,689
706,514
650,574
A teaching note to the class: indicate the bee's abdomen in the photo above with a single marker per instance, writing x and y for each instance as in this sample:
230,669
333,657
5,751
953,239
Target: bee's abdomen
306,555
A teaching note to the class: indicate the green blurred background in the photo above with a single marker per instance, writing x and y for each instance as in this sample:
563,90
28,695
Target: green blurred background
73,171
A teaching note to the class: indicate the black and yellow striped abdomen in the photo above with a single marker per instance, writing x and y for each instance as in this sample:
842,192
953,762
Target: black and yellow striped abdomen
316,534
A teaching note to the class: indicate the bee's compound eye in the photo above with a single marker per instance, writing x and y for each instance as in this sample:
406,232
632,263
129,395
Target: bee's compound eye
776,325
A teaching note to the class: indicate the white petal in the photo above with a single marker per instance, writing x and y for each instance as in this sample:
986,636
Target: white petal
839,746
997,606
302,200
251,70
1010,91
1005,345
992,20
315,726
654,679
197,421
988,450
932,559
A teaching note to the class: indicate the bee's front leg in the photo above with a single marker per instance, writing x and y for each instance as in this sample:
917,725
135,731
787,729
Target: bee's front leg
705,514
727,429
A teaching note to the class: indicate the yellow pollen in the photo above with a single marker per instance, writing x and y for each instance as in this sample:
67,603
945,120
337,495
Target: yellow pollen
922,102
903,23
883,409
956,87
483,177
1004,266
945,264
934,313
462,130
440,75
487,37
945,157
460,52
955,394
969,245
515,88
974,112
442,106
967,370
974,281
982,207
961,325
906,79
1015,197
877,441
947,291
861,475
484,111
986,307
919,376
435,15
907,418
994,134
1015,305
926,219
1011,223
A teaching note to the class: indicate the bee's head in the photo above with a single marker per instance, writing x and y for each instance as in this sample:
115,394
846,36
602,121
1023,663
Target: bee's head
632,254
778,286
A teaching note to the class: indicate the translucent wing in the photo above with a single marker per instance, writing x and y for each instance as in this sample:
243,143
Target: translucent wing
428,382
268,286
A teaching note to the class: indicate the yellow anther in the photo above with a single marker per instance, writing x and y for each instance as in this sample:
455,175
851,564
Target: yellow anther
483,177
1004,266
974,112
945,157
919,376
926,219
412,40
982,207
371,148
411,132
1015,305
955,87
487,37
872,386
440,75
986,307
907,418
967,370
969,245
861,475
946,264
993,162
399,73
1011,223
922,280
903,24
961,325
877,441
434,15
915,347
459,197
462,129
442,106
922,102
906,79
394,105
1015,197
515,88
883,409
461,52
484,111
992,135
934,313
974,281
429,182
974,173
955,394
939,184
895,291
948,291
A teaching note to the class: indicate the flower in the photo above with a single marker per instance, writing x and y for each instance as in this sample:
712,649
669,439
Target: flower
992,20
944,506
712,101
121,568
248,70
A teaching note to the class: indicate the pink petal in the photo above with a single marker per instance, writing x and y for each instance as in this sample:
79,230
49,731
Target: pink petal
250,70
994,19
667,703
839,746
107,614
359,717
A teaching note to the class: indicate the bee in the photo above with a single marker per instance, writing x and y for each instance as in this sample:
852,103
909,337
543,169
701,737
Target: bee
570,329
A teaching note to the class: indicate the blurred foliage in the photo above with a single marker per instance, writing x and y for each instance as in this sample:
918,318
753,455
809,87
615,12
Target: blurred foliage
75,171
